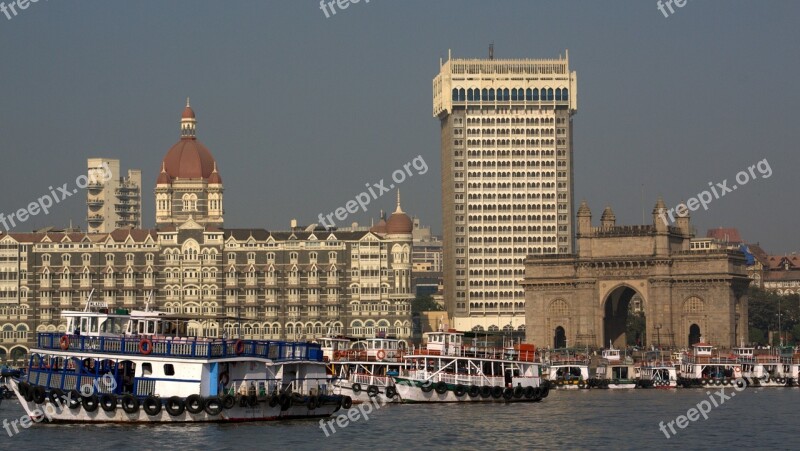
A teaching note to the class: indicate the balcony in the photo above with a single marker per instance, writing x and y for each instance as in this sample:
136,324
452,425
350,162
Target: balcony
94,219
95,202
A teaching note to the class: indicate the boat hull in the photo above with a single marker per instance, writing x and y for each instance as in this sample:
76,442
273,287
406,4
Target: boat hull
412,392
55,413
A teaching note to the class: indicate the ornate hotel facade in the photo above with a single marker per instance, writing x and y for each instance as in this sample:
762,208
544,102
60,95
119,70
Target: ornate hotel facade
507,190
293,284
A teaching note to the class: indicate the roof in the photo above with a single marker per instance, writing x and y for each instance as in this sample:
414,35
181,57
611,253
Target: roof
726,235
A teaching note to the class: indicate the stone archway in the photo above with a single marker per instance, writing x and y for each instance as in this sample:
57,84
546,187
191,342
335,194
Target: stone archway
621,325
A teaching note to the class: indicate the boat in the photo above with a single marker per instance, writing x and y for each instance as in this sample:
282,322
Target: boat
143,367
764,370
656,371
614,372
702,368
567,370
449,370
365,369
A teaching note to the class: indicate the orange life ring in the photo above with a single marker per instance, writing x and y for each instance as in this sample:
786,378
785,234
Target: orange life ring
381,354
145,346
64,342
238,348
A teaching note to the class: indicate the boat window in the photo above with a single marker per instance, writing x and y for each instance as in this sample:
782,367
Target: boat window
147,369
140,327
151,327
93,324
169,370
84,324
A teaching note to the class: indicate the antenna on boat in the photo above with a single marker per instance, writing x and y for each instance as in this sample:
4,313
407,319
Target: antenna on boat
88,300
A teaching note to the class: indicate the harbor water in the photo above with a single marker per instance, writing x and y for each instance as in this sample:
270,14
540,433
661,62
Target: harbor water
761,418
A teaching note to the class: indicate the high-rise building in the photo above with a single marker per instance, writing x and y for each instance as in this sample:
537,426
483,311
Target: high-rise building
112,201
506,142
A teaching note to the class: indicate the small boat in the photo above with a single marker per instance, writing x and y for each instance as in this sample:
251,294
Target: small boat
615,372
449,370
567,370
365,369
142,367
703,369
765,370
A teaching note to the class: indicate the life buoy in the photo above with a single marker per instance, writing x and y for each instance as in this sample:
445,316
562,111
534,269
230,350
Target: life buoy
441,387
238,348
381,354
64,342
224,378
372,391
486,391
508,393
228,401
460,390
426,386
145,346
497,392
347,402
474,391
356,388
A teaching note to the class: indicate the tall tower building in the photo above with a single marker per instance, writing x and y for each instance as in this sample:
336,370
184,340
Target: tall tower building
112,201
507,190
188,185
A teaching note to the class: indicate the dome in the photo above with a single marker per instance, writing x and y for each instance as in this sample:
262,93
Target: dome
380,227
214,177
189,159
163,177
399,222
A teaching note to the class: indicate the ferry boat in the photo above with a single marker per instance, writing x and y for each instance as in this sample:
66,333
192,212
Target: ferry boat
657,372
565,370
365,369
448,370
703,369
614,372
143,367
761,370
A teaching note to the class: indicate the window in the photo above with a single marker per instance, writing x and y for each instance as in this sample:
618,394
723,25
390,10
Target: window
169,370
147,369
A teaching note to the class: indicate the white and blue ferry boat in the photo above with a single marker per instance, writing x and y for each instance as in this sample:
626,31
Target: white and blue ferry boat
142,367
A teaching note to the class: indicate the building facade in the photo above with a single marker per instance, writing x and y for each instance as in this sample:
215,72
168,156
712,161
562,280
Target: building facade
294,284
112,201
507,189
585,299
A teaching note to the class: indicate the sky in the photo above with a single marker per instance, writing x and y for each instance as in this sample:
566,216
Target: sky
301,110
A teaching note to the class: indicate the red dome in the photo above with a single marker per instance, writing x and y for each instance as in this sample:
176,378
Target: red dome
188,113
399,222
380,227
214,177
189,159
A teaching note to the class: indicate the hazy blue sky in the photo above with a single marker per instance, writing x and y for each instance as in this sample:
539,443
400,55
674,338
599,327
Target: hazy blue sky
301,111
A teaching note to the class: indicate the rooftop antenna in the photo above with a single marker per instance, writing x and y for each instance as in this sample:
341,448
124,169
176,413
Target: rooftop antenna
491,51
88,300
147,301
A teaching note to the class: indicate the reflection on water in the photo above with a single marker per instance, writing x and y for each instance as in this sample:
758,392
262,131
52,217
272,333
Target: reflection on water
759,418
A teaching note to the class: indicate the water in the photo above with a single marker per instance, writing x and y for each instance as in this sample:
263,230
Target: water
596,419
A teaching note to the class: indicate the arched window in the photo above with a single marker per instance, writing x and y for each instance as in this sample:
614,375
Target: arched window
565,94
455,94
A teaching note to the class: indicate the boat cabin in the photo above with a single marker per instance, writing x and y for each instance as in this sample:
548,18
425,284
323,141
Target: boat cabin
332,347
444,343
702,349
611,355
381,348
96,321
744,353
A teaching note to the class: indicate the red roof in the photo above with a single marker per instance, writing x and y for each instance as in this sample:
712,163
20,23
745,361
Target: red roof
188,113
726,235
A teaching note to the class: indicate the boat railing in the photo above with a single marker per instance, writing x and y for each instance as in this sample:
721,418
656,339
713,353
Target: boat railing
464,379
479,352
267,387
369,379
184,347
